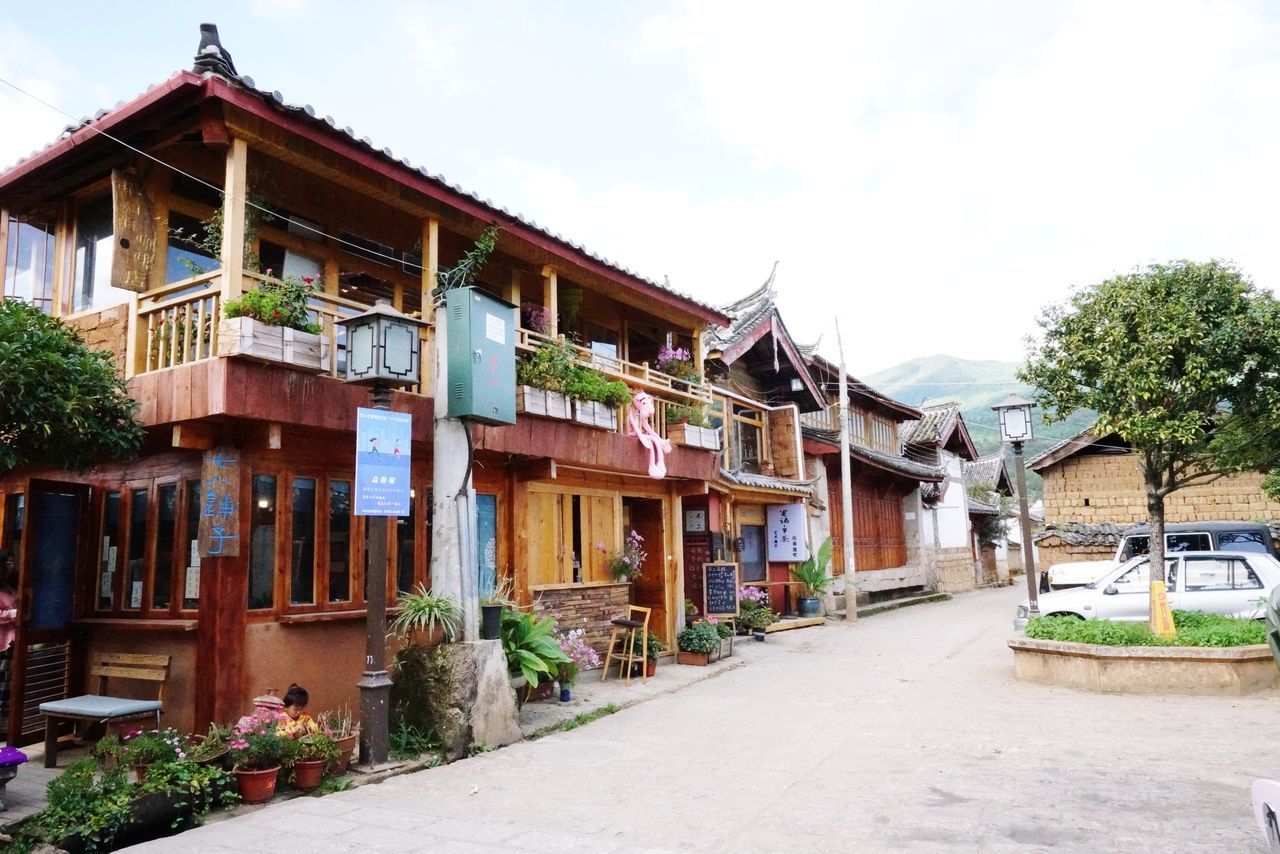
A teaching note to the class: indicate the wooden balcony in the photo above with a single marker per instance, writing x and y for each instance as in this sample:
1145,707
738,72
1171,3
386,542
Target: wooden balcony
866,430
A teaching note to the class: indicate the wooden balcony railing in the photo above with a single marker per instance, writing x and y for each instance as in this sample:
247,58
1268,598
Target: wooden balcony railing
637,376
177,324
865,430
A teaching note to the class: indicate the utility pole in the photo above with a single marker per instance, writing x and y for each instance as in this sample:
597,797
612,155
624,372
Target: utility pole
846,494
1024,523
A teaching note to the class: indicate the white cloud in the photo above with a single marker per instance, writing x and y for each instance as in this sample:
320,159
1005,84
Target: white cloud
30,64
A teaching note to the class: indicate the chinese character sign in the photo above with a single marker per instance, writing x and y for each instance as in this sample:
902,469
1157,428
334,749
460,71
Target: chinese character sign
220,504
382,462
787,541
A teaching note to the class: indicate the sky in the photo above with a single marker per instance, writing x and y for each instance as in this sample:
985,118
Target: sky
932,174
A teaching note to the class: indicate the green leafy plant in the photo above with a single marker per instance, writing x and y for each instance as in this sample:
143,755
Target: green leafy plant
552,366
211,745
63,404
464,273
680,414
478,748
812,574
701,637
690,609
83,803
753,612
654,649
151,746
335,784
501,593
1194,628
531,647
278,303
590,384
725,630
406,741
422,610
195,789
317,745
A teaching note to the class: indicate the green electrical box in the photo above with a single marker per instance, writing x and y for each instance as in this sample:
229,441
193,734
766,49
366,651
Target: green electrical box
482,356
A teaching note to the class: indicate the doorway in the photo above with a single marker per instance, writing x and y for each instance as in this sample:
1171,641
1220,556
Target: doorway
653,588
51,537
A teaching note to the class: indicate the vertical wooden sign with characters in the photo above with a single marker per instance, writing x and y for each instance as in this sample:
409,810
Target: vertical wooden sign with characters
220,503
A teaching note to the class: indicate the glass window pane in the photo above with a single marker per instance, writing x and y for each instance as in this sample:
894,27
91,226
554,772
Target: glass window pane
262,543
1208,574
1243,577
108,558
487,542
191,593
302,574
28,264
405,526
186,256
752,556
137,566
1242,541
1135,580
95,245
166,531
339,541
1187,543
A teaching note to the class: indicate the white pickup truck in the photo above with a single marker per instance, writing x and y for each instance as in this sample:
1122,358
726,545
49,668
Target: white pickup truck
1179,537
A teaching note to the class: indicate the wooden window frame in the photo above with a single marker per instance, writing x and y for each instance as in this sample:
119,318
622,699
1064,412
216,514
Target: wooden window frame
123,542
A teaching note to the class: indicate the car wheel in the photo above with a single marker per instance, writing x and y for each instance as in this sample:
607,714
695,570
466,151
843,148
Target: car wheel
1065,614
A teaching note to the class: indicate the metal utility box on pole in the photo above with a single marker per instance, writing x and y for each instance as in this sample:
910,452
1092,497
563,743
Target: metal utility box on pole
846,494
481,356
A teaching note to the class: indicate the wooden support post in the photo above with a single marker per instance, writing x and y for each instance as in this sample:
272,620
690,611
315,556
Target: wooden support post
513,289
430,263
233,219
220,639
697,353
551,299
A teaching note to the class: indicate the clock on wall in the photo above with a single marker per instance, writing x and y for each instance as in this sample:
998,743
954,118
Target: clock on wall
695,521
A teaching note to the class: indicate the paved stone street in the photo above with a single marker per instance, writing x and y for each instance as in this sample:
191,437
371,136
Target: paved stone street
906,732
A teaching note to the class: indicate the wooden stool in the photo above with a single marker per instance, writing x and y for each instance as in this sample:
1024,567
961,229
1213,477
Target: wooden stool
624,631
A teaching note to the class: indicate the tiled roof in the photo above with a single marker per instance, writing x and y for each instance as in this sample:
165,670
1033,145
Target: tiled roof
1084,534
745,315
208,64
762,481
985,471
932,426
902,465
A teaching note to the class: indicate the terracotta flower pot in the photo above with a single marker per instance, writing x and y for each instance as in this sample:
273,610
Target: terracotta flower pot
346,747
651,667
308,774
257,787
139,772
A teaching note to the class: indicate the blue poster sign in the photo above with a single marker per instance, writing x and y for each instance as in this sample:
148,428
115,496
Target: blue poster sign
382,462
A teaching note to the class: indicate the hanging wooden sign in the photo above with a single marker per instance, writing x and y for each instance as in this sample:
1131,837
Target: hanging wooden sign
220,503
134,232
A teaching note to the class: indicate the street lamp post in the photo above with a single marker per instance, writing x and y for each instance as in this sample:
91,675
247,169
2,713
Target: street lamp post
1015,428
383,352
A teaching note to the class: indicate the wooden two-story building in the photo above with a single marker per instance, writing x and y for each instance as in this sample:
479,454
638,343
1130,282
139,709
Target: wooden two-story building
113,227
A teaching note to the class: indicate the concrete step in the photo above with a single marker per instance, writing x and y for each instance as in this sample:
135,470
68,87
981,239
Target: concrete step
890,605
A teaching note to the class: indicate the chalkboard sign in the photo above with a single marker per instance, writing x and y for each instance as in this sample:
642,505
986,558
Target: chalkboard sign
720,586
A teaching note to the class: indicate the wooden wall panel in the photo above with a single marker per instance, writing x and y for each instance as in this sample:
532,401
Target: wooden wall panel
543,530
782,442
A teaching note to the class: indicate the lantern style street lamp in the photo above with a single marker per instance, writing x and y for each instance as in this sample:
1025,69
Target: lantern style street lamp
1014,414
384,351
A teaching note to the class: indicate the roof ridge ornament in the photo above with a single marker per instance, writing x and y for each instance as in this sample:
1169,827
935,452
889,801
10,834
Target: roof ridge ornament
211,56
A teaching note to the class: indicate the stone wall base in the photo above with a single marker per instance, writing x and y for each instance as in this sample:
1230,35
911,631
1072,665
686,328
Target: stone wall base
1233,671
954,568
589,607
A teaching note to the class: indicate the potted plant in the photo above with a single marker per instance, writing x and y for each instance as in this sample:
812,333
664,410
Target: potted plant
274,324
423,611
581,655
491,606
258,750
596,398
814,581
342,727
533,654
650,652
315,754
696,642
725,632
210,749
755,615
146,748
677,362
687,425
541,378
627,563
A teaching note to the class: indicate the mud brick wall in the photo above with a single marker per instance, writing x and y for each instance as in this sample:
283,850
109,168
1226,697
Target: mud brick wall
1108,488
954,569
1051,552
106,330
589,607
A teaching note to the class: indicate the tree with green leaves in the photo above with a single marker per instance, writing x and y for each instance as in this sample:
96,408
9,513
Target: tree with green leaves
61,403
1181,360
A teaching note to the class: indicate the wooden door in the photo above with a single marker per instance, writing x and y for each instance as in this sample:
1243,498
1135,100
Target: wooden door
653,589
55,527
548,557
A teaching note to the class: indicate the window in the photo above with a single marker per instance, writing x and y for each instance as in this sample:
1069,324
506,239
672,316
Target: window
882,434
136,567
339,541
302,554
1139,544
1204,574
487,542
1243,541
379,253
262,542
108,558
166,534
857,426
1135,580
284,263
28,263
749,444
95,245
185,256
405,527
754,566
191,579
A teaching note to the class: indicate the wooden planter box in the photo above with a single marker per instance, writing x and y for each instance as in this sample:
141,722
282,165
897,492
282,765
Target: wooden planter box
694,437
253,339
698,659
594,414
539,401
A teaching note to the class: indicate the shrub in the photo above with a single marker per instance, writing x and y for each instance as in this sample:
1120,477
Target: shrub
588,384
146,748
701,637
423,611
1194,628
552,366
278,304
677,413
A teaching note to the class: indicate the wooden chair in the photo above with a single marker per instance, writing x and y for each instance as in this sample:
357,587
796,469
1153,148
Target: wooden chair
622,643
102,708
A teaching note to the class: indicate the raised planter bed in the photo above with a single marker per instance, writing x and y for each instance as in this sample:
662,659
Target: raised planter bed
1227,671
694,437
594,414
253,339
539,401
698,659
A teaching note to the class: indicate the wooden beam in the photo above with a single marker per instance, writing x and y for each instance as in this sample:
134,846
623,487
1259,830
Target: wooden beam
213,125
430,263
535,470
551,299
697,353
274,436
683,489
513,289
233,219
199,435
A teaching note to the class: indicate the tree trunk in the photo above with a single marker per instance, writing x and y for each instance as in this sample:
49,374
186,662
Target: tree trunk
1158,616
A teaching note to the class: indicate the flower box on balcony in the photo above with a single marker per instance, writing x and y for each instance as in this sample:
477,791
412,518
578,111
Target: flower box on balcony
539,401
694,437
595,414
253,339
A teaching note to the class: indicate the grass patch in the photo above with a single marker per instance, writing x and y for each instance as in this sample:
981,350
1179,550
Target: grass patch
581,720
1194,628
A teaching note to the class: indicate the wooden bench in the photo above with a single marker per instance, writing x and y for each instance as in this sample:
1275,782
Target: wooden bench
102,708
